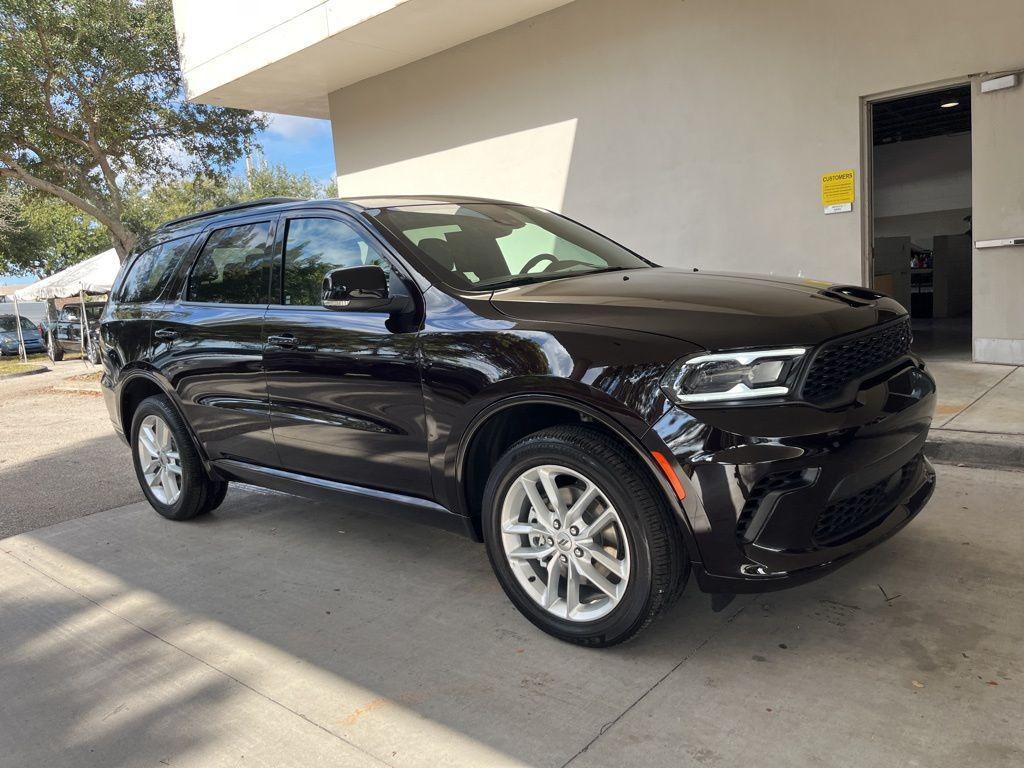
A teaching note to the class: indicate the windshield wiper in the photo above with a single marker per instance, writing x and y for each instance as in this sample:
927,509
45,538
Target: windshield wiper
544,277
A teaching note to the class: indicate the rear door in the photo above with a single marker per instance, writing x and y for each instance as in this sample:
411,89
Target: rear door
209,342
346,400
126,319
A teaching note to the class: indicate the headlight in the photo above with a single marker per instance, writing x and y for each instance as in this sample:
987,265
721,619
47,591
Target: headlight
733,375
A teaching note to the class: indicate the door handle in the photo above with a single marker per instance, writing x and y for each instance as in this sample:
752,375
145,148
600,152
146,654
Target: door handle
288,341
166,334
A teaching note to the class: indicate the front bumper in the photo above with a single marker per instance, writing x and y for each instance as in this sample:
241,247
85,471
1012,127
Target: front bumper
31,348
781,494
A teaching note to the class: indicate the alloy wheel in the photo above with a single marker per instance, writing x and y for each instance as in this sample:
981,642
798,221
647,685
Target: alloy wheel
565,543
159,459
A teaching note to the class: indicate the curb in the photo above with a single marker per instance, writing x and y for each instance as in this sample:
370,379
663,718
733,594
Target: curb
982,449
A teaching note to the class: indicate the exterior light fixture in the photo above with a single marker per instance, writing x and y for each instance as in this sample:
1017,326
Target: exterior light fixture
949,104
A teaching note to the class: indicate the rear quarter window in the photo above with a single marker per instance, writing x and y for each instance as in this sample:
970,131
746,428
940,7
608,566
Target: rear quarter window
151,271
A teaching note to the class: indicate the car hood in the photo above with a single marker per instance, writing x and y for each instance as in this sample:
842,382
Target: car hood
713,310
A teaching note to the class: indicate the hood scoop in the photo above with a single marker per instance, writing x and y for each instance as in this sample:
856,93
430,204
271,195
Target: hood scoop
852,295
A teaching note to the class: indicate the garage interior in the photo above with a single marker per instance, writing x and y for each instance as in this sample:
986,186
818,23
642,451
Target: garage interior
921,210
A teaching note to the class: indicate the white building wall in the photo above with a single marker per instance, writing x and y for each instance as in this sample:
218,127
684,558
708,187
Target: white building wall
695,132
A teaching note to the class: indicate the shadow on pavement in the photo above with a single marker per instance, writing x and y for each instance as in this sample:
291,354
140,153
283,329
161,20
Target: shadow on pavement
396,643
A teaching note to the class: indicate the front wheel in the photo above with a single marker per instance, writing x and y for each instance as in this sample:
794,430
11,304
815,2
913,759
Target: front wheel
580,537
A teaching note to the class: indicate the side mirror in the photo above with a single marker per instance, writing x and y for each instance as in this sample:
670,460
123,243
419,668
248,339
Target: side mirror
357,289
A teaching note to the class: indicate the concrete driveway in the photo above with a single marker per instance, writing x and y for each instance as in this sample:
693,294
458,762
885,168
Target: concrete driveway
59,456
281,632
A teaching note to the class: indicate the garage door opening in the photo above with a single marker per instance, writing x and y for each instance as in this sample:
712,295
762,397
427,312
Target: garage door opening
921,214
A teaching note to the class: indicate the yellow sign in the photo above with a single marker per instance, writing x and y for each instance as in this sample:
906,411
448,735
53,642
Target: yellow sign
837,188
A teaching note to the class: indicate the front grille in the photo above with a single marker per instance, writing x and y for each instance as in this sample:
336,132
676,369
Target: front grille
851,517
777,482
841,361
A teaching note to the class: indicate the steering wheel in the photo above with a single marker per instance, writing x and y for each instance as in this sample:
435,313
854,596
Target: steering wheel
537,260
556,265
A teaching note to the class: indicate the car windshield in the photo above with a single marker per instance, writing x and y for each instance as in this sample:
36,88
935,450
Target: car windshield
483,246
8,324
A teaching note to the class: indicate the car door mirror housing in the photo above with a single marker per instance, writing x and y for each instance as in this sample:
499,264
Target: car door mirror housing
358,289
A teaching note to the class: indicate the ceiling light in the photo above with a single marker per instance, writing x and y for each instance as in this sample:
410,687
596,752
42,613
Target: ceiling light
949,104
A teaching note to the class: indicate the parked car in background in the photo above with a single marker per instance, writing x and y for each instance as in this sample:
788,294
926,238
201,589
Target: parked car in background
9,336
604,425
64,334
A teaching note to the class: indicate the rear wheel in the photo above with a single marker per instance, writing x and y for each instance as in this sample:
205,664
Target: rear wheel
92,352
53,349
167,464
580,537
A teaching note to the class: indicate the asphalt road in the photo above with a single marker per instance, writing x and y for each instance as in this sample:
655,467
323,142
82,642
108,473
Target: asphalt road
59,456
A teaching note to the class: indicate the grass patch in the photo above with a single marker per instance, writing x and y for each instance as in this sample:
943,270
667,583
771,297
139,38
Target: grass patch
9,365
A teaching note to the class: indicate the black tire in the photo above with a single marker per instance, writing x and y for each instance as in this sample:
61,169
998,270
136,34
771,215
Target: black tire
215,497
92,354
53,349
660,565
199,494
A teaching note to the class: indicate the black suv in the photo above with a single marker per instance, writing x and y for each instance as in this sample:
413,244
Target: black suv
604,425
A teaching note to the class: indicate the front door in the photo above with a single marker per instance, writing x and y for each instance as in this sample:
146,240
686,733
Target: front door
345,393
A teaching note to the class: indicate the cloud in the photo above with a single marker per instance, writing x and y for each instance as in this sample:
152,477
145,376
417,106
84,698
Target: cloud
292,128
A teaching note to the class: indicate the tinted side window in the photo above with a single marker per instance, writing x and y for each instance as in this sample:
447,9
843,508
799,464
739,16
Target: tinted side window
152,270
313,247
235,266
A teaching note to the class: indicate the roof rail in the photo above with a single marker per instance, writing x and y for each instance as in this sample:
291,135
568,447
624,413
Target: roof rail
233,207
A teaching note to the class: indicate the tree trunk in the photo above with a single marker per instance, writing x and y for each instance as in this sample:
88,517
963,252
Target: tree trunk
122,238
123,244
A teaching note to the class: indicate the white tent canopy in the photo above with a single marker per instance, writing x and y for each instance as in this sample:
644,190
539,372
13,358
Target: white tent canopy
94,275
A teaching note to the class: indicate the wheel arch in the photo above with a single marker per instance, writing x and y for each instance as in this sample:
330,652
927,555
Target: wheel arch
141,384
523,411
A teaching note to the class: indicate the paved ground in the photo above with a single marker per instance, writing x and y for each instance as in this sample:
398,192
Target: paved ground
975,397
59,457
281,632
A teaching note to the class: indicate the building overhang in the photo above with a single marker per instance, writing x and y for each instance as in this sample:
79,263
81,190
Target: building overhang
288,56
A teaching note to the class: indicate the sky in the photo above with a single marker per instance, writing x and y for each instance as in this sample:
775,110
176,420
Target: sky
302,144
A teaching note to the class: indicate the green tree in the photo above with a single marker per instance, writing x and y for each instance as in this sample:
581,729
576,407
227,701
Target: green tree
46,235
92,103
147,208
274,181
10,211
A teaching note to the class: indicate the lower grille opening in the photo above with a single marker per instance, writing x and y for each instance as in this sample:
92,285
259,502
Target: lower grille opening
854,516
775,484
